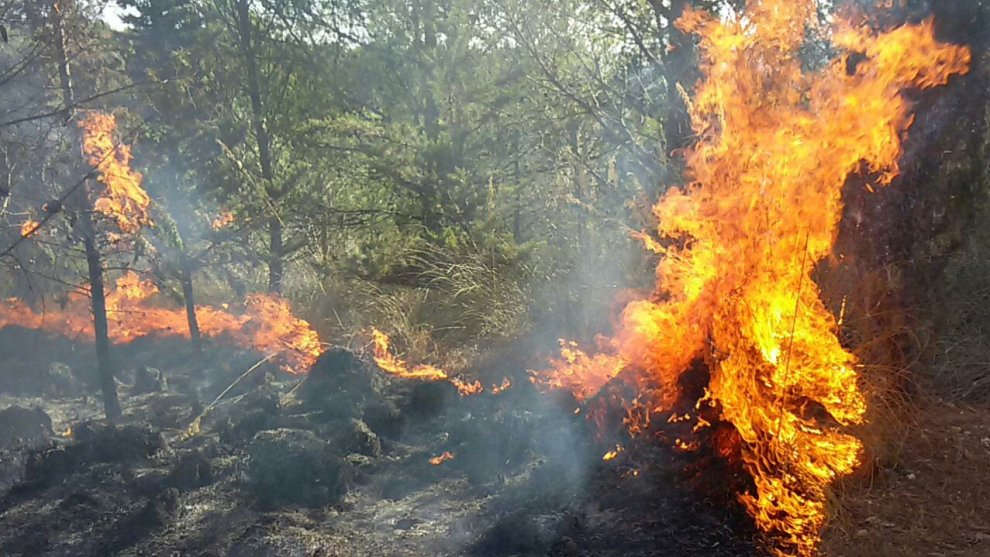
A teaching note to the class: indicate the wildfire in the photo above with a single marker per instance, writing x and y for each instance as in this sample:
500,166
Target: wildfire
29,227
610,455
267,323
441,458
501,387
124,200
739,242
223,220
395,366
578,372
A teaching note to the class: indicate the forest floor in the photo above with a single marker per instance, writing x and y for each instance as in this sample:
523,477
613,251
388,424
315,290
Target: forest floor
339,464
933,501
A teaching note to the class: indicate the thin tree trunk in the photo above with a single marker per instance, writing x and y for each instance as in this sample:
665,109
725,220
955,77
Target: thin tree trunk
679,67
275,263
64,71
275,244
111,405
190,301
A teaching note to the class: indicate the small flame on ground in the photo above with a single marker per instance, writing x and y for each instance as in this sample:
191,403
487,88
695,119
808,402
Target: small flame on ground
610,455
124,200
392,365
29,227
67,433
441,458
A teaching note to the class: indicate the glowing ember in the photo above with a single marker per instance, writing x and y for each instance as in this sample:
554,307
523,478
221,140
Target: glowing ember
466,388
223,220
441,458
124,200
29,227
612,454
392,365
739,242
501,387
267,323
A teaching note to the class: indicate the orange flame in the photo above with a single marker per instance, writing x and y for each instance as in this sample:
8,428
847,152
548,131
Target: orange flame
762,208
502,387
124,200
267,323
223,220
29,227
441,458
578,372
392,365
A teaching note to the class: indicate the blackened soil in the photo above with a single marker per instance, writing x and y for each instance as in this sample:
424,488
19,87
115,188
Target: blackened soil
340,466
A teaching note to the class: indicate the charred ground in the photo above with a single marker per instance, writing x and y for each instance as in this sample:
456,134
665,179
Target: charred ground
335,465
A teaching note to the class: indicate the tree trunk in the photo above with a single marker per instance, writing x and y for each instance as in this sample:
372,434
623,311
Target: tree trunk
679,68
275,244
190,301
275,263
64,71
111,406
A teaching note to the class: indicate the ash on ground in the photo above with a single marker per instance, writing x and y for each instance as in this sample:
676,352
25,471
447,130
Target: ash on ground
336,463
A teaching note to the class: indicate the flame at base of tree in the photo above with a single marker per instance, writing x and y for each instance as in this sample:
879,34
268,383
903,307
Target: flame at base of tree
740,240
266,324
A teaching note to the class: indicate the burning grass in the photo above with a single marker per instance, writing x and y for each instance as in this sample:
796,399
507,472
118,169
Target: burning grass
266,322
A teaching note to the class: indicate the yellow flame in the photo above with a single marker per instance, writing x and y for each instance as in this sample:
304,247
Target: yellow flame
761,208
29,227
610,455
123,200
